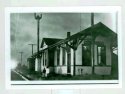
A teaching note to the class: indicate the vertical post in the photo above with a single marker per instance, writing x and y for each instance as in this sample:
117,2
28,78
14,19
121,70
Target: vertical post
32,47
38,17
93,60
80,21
68,56
38,36
68,61
92,19
21,53
74,58
21,58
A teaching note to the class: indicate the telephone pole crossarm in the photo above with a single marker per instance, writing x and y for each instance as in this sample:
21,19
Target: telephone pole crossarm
32,45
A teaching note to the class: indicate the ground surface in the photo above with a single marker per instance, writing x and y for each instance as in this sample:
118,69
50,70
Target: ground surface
32,75
38,76
15,76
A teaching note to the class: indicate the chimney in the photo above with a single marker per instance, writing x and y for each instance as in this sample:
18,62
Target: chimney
68,34
92,19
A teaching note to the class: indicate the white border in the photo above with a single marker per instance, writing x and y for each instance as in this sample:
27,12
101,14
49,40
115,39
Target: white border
97,9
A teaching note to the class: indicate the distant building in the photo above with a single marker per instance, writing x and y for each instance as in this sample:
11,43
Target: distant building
86,52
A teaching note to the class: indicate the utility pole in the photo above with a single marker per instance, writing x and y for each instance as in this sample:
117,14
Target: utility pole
93,39
21,54
92,19
32,45
38,17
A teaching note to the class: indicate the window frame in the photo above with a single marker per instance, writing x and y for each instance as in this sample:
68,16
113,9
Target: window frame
86,44
101,63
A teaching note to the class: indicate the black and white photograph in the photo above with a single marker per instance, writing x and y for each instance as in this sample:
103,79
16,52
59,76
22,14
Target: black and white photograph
64,46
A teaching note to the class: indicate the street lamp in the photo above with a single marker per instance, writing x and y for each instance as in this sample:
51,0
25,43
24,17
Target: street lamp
38,16
92,40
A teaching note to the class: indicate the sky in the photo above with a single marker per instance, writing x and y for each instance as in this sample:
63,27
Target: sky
23,29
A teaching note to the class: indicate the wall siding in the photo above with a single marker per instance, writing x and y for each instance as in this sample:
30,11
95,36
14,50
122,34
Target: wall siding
79,55
83,70
103,70
108,50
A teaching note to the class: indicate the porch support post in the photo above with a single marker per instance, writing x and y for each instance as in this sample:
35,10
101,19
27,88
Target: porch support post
39,64
93,39
74,63
93,58
68,61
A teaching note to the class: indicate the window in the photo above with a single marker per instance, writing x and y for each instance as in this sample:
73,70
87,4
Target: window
101,55
86,55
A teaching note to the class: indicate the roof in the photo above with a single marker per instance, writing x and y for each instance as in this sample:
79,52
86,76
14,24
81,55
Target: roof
49,41
95,30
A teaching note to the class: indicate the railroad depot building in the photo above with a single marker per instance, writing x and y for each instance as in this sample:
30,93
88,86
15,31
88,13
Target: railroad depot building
86,52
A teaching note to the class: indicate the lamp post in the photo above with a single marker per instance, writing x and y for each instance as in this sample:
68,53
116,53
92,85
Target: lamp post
38,16
93,39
